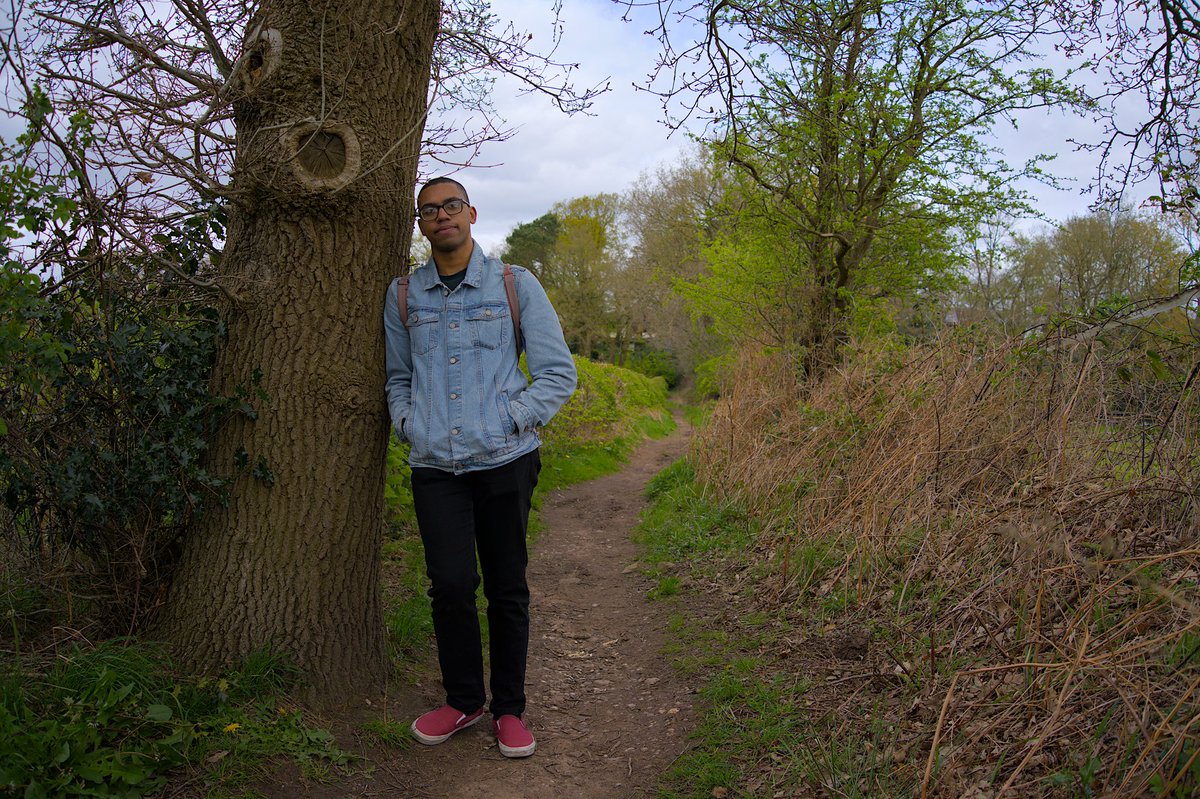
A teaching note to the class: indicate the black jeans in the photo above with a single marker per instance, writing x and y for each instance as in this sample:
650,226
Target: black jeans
458,514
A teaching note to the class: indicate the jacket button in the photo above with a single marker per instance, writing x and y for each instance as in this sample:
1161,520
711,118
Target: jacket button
454,360
454,325
455,431
453,396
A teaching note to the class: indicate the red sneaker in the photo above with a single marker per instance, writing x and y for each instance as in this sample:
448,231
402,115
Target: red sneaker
513,737
438,725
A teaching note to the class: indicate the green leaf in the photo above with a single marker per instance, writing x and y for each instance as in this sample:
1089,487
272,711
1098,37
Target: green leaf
158,713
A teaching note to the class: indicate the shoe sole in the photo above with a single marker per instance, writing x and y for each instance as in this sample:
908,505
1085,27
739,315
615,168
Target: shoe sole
434,740
517,751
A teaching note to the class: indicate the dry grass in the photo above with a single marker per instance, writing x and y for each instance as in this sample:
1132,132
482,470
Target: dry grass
1030,513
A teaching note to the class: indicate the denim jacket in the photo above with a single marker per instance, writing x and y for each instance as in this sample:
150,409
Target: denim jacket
454,389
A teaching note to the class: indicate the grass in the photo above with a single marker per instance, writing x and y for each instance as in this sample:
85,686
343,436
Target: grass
115,719
759,733
1027,579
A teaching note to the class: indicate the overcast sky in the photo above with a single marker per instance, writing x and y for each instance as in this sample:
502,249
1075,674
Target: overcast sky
554,157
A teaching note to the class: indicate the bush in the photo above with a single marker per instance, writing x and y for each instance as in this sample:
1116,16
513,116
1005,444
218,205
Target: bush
103,457
105,412
112,721
657,363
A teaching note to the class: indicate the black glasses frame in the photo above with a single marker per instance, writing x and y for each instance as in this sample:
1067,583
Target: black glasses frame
429,211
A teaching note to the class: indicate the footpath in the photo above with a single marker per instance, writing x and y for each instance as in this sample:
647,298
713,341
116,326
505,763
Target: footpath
609,713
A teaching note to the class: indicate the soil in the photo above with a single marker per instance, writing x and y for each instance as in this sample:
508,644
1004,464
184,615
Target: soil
609,713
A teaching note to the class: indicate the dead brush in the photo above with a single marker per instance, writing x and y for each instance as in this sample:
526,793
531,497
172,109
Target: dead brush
1033,508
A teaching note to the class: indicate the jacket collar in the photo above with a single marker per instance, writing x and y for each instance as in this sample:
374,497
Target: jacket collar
428,277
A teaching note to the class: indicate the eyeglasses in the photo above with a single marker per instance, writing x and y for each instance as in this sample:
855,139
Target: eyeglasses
430,212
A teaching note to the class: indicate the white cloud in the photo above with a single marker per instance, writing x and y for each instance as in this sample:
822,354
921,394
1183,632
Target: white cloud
554,157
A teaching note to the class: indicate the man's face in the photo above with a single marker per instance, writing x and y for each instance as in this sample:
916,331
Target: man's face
446,233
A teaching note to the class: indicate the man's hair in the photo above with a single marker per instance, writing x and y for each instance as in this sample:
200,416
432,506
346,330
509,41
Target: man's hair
436,181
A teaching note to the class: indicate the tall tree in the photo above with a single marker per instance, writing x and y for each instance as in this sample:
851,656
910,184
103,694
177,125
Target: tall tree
856,117
301,125
291,561
671,215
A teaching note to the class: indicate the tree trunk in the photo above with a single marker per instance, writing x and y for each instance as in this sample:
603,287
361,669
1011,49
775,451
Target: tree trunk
329,123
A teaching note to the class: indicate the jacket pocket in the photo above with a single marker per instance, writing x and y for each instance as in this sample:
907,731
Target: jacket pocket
423,331
487,324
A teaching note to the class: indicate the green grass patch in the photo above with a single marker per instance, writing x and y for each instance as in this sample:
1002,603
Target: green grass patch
758,733
111,721
682,524
389,732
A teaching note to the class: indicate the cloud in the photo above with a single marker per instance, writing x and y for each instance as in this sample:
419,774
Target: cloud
554,157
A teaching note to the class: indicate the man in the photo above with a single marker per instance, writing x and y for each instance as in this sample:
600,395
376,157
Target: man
456,393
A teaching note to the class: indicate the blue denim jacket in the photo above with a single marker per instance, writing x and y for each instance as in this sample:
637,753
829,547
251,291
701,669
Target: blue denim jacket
454,389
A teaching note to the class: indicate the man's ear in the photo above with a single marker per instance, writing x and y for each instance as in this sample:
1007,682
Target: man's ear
474,215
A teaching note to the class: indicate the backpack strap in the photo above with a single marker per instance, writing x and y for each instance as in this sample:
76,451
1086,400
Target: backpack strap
402,299
510,291
514,306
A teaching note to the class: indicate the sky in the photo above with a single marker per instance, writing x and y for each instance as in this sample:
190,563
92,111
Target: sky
554,157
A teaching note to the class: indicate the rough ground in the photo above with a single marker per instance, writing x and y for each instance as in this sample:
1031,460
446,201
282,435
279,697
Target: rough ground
608,712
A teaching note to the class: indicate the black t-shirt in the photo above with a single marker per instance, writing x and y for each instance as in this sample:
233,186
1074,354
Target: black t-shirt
451,281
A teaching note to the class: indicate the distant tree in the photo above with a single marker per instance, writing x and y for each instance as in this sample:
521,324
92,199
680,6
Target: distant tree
670,215
983,298
1091,264
583,271
857,117
531,244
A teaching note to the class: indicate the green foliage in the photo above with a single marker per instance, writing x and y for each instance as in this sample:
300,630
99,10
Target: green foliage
655,362
105,450
605,402
860,152
112,721
30,354
104,404
713,374
531,244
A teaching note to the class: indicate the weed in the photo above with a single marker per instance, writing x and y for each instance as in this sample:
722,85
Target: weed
666,586
391,733
111,721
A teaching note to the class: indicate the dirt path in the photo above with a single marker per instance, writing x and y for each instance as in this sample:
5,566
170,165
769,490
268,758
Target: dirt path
608,711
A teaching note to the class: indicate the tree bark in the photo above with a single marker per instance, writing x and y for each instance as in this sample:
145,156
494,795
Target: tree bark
330,116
